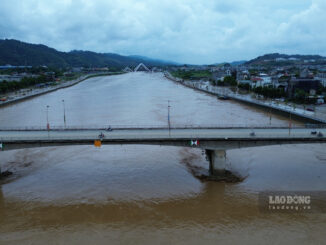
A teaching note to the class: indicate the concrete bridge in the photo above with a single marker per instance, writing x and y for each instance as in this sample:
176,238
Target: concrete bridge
214,140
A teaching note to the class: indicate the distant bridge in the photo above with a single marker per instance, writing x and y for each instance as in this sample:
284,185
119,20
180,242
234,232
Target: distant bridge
215,140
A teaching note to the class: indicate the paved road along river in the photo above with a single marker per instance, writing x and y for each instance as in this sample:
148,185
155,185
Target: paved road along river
138,194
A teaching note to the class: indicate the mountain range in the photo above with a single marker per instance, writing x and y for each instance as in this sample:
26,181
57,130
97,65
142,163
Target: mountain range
17,53
286,59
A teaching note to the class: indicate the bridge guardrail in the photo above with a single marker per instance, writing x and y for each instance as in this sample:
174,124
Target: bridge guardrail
244,134
176,126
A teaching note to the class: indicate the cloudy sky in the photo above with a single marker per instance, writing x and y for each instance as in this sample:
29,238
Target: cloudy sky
186,31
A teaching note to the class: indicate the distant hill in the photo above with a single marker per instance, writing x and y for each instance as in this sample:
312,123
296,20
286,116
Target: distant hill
144,58
233,63
236,63
17,53
284,58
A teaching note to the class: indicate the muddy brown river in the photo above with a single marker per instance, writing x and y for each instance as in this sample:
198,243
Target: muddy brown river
142,194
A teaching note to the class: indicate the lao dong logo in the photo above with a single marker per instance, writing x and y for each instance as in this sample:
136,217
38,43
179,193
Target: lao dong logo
292,201
289,200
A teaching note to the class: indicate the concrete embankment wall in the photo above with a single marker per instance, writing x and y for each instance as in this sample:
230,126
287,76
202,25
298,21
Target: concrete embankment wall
276,110
10,102
282,112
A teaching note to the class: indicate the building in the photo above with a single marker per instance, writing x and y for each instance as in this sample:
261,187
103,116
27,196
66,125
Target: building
243,82
256,82
266,80
15,77
10,78
156,69
14,67
306,84
322,78
218,75
77,69
243,75
305,73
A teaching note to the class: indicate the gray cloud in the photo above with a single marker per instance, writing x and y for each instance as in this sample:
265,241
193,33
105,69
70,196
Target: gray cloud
188,31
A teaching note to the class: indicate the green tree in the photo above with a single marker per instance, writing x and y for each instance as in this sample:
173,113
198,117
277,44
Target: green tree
300,95
230,80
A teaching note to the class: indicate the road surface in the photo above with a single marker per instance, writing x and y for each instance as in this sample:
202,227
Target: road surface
145,134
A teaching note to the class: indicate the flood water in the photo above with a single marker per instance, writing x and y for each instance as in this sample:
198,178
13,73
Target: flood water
142,194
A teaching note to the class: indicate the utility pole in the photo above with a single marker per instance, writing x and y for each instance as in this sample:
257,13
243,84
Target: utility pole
47,118
290,123
64,112
169,123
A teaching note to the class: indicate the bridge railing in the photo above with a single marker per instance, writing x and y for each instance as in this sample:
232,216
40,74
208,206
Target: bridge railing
156,136
174,126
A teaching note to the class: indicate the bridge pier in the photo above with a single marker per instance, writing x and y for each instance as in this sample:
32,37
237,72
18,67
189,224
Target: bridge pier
217,162
217,167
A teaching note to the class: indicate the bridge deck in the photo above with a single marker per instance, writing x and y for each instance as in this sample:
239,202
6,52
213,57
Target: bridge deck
218,138
163,134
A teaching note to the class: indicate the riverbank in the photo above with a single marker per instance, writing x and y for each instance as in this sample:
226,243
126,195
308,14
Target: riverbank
25,94
285,110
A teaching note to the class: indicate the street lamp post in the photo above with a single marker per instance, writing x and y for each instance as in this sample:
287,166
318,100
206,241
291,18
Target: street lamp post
64,113
169,123
47,118
290,123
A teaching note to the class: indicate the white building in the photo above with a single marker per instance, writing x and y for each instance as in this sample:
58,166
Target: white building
322,78
266,79
10,78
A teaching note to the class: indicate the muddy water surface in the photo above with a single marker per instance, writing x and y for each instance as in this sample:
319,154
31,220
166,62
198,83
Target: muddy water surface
138,194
